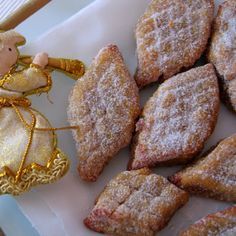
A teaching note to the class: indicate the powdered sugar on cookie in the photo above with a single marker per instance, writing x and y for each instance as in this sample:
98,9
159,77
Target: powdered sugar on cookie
213,175
135,203
171,35
104,104
222,223
177,119
223,50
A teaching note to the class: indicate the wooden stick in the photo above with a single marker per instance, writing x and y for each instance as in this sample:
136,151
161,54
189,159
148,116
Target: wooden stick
26,10
76,68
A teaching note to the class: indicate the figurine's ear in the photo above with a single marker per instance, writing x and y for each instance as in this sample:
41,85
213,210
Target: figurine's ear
11,37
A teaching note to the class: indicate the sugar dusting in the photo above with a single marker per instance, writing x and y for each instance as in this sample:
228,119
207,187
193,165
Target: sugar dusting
171,35
179,117
104,104
223,47
222,51
215,173
222,223
136,202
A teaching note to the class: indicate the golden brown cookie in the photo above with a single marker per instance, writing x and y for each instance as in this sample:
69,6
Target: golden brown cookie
213,175
222,223
104,103
135,203
177,119
222,52
171,35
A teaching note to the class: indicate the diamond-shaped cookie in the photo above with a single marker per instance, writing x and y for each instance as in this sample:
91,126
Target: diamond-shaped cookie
222,223
135,203
104,103
213,175
222,52
171,35
177,120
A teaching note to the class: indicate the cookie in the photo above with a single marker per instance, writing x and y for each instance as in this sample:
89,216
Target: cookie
220,223
170,36
177,120
104,103
222,52
213,175
135,203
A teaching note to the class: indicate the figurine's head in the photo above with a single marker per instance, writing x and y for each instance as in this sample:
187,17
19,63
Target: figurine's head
9,41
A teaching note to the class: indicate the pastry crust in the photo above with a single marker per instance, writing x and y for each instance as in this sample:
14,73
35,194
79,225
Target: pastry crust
219,223
171,35
222,51
213,175
104,103
177,120
135,203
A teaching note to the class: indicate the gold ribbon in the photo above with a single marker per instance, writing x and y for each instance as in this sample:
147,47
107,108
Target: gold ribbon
7,102
25,102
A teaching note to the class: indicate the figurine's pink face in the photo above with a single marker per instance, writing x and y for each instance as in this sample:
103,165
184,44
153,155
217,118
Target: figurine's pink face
8,49
8,57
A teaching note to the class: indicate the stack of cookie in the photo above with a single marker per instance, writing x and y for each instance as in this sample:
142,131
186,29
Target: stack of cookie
173,126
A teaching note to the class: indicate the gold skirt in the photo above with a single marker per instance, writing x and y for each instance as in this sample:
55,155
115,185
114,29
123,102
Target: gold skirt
44,162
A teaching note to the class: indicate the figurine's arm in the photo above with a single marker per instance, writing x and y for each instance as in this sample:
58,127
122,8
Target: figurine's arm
31,78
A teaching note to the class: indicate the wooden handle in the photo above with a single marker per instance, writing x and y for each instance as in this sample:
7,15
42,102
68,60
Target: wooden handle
73,67
23,12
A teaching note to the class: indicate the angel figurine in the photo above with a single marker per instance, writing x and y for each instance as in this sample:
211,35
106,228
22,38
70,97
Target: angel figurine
28,144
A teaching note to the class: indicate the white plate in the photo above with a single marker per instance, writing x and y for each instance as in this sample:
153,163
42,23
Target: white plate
59,209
